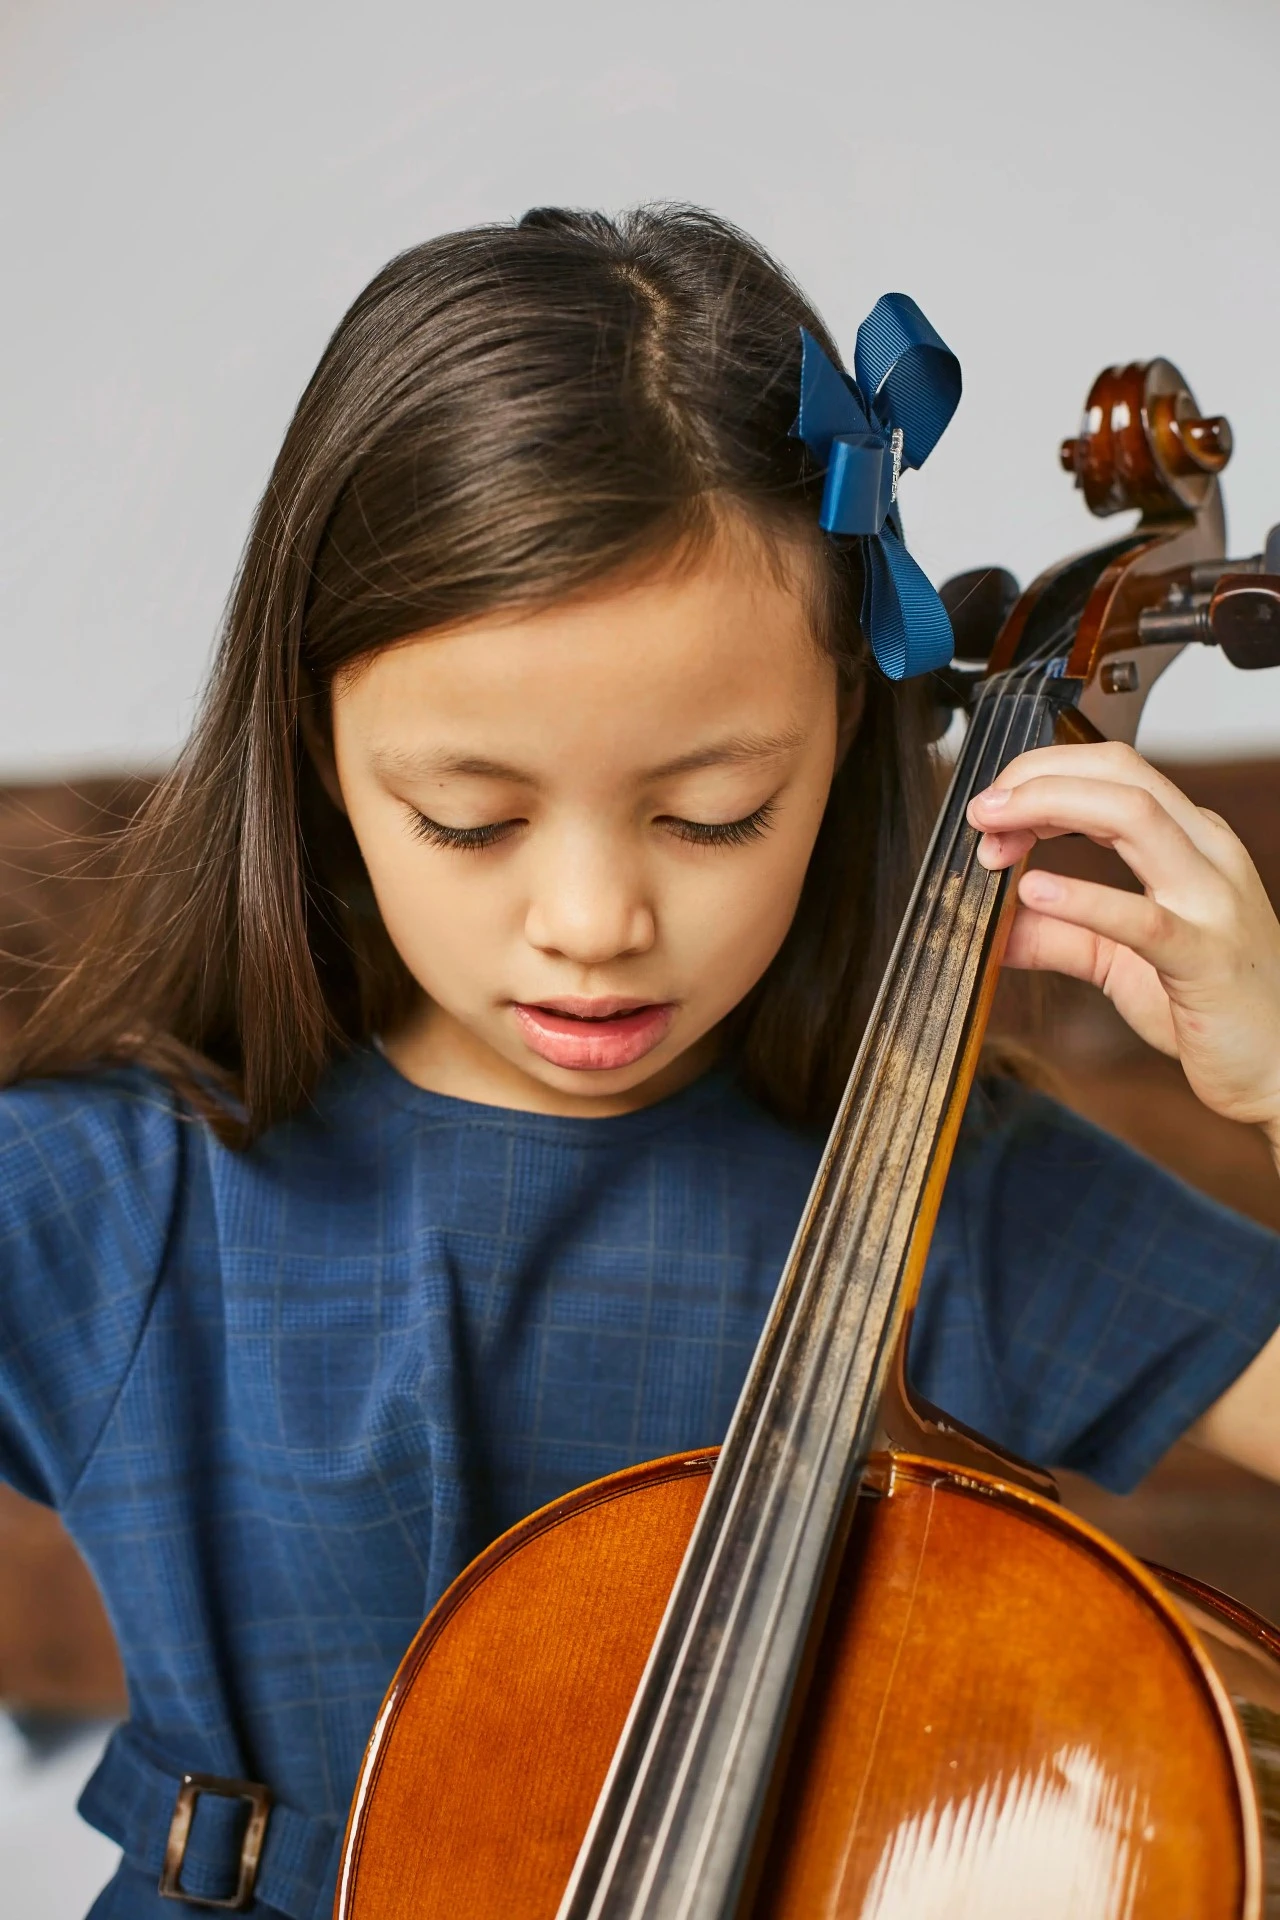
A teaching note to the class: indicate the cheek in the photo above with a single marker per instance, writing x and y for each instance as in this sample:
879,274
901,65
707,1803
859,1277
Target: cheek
440,915
734,916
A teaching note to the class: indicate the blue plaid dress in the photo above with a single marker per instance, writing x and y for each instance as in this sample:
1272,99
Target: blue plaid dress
282,1397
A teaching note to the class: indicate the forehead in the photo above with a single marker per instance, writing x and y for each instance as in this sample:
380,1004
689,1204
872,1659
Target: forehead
639,673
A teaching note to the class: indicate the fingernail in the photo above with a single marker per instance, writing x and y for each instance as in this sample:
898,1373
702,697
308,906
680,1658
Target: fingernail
1043,887
993,799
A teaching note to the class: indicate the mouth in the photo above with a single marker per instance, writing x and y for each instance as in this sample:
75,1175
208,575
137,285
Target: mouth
598,1035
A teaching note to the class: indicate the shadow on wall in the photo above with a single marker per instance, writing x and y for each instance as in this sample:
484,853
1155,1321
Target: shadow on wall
1194,1512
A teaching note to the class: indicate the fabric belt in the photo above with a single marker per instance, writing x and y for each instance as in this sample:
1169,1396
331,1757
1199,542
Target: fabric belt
131,1798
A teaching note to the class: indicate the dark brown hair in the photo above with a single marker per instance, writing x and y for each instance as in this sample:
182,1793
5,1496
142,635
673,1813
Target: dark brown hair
505,416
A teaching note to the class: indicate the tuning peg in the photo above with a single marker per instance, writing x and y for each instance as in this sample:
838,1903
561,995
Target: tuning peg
978,603
1244,616
1239,611
1271,551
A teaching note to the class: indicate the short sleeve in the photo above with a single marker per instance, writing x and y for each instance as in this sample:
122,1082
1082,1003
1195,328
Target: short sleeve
1081,1306
89,1172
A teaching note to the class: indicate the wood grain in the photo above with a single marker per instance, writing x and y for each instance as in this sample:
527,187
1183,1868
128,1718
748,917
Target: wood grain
1023,1762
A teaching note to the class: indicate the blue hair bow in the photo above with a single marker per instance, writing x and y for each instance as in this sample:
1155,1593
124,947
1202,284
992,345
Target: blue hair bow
866,431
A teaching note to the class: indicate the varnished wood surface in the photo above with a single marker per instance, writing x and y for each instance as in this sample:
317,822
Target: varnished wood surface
989,1732
499,1728
1019,1763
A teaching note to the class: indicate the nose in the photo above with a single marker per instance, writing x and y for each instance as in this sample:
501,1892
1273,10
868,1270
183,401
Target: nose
589,903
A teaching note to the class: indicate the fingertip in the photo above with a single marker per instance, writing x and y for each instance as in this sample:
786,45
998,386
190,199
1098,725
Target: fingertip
989,801
1040,889
996,850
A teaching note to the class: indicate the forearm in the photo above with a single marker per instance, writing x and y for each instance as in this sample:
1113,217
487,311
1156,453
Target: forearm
1244,1425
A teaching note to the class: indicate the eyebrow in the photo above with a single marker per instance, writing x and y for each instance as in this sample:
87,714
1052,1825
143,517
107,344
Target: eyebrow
417,766
736,750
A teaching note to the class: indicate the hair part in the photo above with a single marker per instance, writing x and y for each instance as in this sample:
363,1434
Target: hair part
506,417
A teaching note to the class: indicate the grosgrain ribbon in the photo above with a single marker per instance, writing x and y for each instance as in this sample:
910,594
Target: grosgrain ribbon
867,430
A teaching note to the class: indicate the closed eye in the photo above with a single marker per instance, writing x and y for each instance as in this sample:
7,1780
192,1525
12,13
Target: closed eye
468,839
698,833
721,833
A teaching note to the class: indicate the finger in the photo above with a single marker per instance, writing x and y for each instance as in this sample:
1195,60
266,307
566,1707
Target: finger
1039,943
1129,818
1112,761
997,850
1164,939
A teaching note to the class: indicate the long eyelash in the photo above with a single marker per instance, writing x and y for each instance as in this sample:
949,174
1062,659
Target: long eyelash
698,833
468,839
723,833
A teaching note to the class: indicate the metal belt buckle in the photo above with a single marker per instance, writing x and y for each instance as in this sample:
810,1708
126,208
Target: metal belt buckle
193,1785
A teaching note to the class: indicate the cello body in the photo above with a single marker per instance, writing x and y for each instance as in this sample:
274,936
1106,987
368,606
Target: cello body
988,1731
861,1665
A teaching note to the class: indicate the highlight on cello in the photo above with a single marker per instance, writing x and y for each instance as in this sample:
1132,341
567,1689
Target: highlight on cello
551,1208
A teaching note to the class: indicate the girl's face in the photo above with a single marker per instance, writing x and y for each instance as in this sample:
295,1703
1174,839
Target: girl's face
587,827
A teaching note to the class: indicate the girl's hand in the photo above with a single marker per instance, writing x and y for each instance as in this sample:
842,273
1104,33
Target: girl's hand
1192,962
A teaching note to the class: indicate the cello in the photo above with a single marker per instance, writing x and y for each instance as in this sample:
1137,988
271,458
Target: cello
858,1663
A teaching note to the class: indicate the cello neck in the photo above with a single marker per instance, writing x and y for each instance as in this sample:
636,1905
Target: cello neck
678,1820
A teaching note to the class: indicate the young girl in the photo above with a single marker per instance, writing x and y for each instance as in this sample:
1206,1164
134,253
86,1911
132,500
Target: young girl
424,1135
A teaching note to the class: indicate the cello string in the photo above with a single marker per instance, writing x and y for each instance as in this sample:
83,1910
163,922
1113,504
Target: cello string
990,721
891,1126
1035,710
987,718
975,752
750,1694
993,704
1039,709
918,950
1034,713
1014,699
697,1610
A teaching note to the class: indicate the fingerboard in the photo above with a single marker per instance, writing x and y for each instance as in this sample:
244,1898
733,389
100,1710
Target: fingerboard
676,1824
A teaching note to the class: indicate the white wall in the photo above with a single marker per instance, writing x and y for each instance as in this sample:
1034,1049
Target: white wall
190,194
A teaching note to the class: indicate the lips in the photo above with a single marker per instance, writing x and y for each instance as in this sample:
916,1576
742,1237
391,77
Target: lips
597,1035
